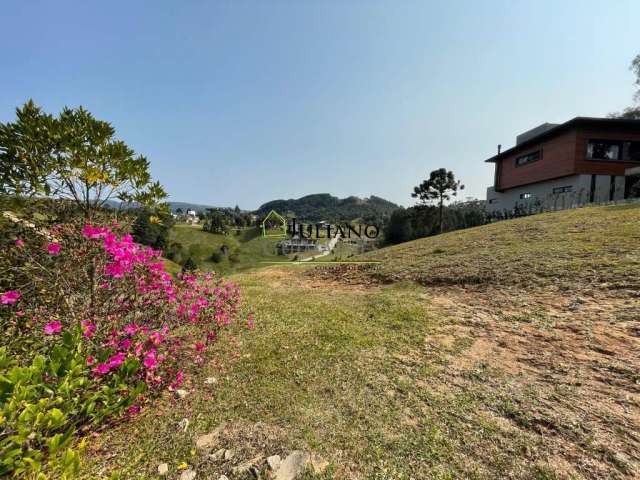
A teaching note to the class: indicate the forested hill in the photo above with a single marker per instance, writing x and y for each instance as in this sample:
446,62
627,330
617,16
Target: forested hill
323,206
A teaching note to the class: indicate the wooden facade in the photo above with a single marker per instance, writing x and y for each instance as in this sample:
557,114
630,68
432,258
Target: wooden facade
562,151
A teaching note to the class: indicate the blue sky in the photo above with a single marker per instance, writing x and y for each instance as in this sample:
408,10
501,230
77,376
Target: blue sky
242,102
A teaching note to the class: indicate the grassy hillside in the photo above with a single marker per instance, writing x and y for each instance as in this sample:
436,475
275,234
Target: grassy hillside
518,377
588,245
252,248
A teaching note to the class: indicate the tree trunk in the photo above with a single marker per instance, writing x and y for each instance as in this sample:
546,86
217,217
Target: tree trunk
441,202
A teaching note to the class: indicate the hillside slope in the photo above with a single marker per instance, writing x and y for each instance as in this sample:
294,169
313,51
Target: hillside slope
486,368
596,245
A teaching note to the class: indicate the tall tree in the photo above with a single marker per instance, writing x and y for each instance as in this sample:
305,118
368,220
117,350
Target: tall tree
440,186
72,156
633,111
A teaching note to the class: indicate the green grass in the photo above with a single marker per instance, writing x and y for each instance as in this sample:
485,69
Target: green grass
519,377
200,245
587,245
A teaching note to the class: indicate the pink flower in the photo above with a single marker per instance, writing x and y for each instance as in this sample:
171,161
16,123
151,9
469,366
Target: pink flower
199,346
19,243
178,381
126,344
250,324
131,329
53,248
116,360
150,361
52,327
88,328
10,297
134,409
90,360
101,369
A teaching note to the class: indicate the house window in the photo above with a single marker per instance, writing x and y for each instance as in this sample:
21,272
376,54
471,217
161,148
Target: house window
525,196
493,200
604,150
631,151
622,150
528,158
563,189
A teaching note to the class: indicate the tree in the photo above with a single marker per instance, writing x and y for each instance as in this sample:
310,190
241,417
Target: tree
634,111
152,229
72,156
440,186
189,266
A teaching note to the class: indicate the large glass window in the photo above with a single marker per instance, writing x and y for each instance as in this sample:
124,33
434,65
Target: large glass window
626,151
528,158
604,150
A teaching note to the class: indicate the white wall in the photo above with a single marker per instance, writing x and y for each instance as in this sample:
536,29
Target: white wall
543,193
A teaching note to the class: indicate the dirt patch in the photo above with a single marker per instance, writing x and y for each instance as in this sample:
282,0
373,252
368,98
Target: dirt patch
555,365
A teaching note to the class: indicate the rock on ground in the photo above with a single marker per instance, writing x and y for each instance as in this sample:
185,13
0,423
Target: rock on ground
293,466
188,475
163,469
274,462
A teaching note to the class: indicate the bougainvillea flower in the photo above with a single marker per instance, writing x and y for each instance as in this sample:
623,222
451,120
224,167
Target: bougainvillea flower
53,248
134,409
116,360
52,327
250,324
179,380
90,360
131,329
199,346
101,369
19,243
150,361
10,297
88,328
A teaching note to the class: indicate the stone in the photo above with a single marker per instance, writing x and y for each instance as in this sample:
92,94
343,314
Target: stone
223,477
188,475
217,455
182,393
163,469
274,462
246,466
206,442
228,454
211,380
318,463
293,466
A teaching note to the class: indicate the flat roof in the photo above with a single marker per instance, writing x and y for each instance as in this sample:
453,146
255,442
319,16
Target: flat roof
574,122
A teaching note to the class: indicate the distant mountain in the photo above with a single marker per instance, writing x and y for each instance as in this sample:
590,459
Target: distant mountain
173,206
323,206
188,206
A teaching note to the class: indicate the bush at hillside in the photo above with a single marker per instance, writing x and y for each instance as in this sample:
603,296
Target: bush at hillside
93,327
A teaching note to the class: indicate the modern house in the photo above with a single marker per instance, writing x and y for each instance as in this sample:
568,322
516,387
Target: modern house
563,165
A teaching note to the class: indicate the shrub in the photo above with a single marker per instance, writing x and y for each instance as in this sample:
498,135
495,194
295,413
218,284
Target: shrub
93,328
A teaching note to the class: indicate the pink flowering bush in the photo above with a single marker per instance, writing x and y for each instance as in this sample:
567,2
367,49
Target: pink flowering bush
87,310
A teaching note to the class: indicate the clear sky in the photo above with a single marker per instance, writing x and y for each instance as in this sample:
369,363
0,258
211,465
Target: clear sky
242,102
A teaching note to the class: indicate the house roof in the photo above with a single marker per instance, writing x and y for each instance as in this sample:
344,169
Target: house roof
552,132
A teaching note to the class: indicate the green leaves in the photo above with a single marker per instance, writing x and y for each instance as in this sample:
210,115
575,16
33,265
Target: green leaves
73,156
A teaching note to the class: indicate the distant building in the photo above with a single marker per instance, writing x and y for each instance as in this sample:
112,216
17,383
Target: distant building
191,217
562,165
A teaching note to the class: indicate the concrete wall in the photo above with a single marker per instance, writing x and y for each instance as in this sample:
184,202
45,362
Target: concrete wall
544,197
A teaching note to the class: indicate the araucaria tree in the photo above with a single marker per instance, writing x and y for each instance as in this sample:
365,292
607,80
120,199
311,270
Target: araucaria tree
440,186
72,156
